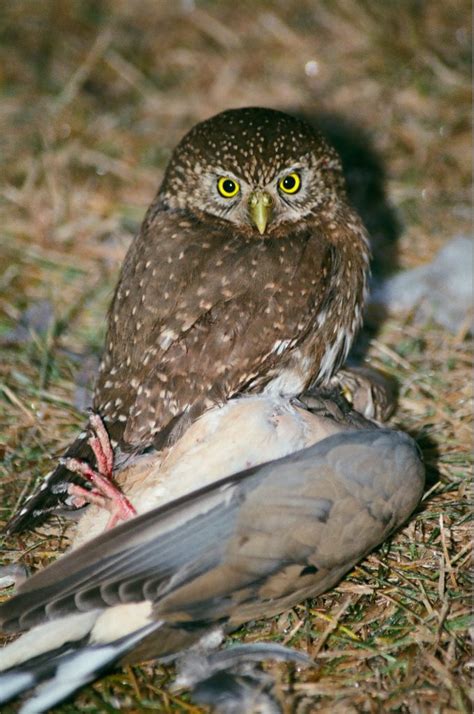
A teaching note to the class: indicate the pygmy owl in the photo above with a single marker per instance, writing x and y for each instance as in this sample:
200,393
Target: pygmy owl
248,275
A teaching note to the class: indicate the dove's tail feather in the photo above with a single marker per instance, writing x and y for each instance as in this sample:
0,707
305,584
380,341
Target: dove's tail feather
30,673
60,672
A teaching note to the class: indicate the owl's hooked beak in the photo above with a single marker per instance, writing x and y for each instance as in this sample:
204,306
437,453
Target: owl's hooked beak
260,209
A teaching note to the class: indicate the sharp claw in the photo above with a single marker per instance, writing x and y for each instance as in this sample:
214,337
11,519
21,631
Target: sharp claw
83,496
102,442
104,494
98,452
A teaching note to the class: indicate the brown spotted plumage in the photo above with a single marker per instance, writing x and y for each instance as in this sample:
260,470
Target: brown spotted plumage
227,291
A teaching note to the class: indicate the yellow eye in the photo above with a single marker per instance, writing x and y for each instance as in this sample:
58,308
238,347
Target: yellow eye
227,187
290,183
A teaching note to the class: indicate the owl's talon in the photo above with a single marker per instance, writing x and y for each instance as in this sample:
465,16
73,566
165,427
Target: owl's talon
104,492
82,496
101,446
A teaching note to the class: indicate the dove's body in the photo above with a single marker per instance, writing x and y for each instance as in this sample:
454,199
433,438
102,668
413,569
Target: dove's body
247,546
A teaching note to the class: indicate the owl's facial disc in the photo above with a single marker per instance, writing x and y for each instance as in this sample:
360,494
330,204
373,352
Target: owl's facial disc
225,165
260,204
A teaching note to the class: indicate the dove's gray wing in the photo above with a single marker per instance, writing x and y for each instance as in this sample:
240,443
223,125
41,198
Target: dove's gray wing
250,545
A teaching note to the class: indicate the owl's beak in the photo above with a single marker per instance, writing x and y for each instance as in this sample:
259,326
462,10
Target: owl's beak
260,209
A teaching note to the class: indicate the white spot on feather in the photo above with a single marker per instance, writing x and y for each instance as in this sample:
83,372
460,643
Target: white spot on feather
166,339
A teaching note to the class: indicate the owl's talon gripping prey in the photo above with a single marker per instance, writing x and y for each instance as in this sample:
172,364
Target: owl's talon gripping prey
101,446
104,494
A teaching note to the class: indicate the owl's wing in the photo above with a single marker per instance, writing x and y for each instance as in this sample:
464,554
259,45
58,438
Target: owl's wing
248,546
197,314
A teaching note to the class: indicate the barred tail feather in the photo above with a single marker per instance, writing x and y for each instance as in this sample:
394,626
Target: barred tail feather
51,495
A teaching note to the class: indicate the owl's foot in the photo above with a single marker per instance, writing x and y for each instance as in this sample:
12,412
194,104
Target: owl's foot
370,392
104,493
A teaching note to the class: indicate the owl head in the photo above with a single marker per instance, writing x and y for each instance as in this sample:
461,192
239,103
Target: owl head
255,168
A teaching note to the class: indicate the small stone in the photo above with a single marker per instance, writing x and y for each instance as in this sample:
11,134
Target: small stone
441,290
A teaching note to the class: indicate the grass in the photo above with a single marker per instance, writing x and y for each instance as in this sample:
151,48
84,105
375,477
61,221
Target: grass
93,97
